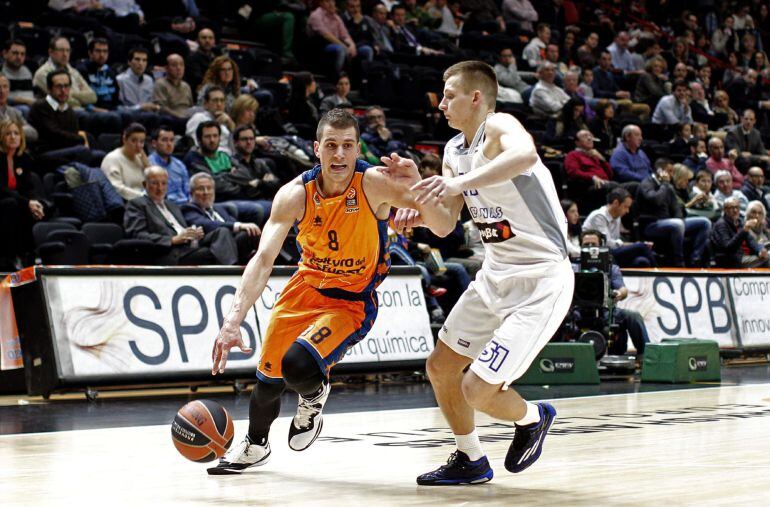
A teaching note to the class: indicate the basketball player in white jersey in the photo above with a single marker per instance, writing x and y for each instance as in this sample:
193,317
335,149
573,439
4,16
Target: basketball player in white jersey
524,288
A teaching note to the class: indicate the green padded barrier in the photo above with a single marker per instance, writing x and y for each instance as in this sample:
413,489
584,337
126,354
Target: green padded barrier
563,363
681,360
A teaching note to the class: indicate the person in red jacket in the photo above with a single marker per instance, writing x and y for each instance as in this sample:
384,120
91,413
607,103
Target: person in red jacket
589,174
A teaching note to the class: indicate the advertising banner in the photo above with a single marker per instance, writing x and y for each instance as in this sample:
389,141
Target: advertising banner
116,325
10,349
751,297
10,345
683,307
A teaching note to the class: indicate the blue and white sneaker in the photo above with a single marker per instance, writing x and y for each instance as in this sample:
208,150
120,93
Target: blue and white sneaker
459,469
528,440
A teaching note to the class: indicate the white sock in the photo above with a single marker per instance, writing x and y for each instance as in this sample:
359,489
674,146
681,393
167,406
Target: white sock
470,445
531,416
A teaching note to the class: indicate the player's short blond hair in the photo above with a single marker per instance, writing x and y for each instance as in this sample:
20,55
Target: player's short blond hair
475,75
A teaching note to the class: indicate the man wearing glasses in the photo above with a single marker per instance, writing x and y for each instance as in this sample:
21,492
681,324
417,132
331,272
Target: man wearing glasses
61,139
214,110
59,52
82,97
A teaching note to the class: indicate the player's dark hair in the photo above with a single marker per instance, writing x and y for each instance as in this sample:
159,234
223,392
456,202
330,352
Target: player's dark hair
338,119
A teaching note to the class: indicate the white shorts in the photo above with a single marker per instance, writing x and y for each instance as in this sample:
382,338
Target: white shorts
503,326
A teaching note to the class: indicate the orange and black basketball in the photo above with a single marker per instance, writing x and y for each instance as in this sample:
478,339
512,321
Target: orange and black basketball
202,430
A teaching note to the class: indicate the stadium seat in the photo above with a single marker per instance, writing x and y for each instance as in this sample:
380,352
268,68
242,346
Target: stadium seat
41,230
108,142
78,42
102,237
70,247
139,252
35,38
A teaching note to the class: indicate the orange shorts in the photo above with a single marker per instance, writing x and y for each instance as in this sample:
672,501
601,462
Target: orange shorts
325,324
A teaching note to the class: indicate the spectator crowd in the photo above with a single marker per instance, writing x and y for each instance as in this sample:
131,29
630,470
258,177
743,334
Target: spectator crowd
177,121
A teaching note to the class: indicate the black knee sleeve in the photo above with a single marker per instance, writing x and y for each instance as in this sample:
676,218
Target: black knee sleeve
300,370
264,407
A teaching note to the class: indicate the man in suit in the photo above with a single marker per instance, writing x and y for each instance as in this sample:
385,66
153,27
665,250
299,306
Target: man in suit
154,218
747,143
203,212
381,32
404,40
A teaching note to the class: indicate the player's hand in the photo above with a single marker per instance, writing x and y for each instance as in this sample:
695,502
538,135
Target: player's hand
400,170
435,189
406,218
229,337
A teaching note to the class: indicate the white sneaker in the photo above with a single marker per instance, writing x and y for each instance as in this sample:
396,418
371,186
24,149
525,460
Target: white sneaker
307,424
241,456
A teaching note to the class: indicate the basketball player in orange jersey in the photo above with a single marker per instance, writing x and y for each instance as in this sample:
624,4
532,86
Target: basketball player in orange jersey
341,208
522,292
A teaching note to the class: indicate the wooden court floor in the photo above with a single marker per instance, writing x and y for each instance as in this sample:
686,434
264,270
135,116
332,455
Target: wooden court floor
688,447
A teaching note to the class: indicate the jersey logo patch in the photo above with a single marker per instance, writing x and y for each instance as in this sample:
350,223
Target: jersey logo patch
495,232
351,201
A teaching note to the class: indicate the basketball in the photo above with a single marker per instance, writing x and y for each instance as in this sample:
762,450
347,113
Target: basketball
202,431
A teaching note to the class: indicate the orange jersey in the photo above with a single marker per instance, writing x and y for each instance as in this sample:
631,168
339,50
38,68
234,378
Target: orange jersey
342,243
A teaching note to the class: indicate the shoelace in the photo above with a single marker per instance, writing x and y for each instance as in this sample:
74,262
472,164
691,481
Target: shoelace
242,448
305,411
452,459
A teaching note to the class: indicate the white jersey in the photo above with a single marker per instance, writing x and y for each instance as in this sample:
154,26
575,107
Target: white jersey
520,221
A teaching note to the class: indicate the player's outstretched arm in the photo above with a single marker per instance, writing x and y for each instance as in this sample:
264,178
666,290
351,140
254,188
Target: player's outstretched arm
391,184
510,149
288,207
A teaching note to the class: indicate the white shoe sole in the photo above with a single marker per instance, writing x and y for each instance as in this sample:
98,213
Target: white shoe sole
296,446
224,470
